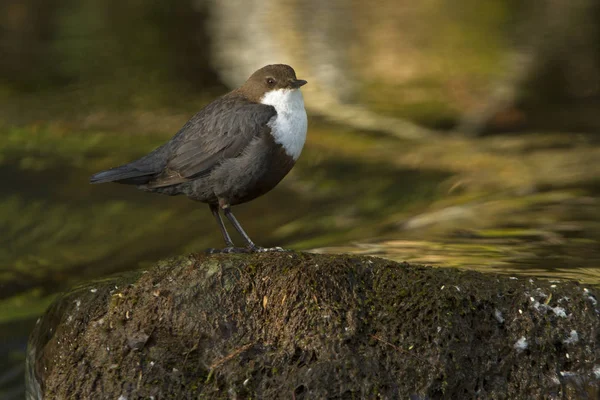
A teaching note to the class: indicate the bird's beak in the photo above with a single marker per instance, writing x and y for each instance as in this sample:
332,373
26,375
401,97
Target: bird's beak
296,83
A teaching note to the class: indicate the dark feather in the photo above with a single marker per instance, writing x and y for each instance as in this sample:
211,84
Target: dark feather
221,130
138,172
122,174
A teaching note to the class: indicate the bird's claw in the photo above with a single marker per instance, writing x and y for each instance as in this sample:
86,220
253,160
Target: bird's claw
241,250
267,249
229,250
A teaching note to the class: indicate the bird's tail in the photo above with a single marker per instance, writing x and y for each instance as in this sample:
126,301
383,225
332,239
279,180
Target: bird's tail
138,172
127,174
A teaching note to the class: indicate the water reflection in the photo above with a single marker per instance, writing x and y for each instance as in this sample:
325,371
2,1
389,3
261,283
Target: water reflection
508,256
553,234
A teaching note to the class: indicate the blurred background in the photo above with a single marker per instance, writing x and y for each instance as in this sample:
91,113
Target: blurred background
453,133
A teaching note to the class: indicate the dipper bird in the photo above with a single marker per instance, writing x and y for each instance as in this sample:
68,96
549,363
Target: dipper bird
235,149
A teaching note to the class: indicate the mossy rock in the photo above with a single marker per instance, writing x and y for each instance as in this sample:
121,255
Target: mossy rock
298,325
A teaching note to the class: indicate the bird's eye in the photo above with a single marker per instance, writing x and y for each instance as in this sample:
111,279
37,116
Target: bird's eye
270,81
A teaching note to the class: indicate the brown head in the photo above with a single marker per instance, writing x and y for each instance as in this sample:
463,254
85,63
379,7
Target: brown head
271,77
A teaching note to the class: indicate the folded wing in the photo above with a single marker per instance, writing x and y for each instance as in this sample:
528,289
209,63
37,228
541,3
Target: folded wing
220,131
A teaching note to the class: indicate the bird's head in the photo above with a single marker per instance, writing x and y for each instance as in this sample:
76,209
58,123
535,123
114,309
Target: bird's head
275,77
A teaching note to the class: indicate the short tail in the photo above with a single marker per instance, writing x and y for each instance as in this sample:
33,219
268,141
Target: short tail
124,174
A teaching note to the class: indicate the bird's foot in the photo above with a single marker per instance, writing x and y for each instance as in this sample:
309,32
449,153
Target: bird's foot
258,249
241,250
229,250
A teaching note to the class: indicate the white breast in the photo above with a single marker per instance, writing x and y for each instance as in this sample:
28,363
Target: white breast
289,126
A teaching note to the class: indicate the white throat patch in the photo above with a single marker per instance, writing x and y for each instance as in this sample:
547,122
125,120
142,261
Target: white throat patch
289,126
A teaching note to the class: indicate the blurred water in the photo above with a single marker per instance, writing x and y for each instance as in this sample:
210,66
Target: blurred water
526,205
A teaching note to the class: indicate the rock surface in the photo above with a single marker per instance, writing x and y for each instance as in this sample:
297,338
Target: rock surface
298,325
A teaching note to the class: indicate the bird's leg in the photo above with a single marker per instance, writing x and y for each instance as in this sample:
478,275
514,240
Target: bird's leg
238,227
214,209
228,242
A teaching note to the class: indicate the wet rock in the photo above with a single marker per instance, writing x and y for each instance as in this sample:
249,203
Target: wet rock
297,325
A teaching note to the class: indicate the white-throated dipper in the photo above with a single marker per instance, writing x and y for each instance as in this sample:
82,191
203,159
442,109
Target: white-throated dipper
235,149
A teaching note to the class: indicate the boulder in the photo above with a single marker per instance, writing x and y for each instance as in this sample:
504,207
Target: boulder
299,325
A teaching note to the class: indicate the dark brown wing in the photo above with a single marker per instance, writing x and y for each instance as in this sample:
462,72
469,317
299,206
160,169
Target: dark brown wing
221,130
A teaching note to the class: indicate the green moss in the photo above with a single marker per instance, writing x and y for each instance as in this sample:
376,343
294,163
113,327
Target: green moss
337,315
